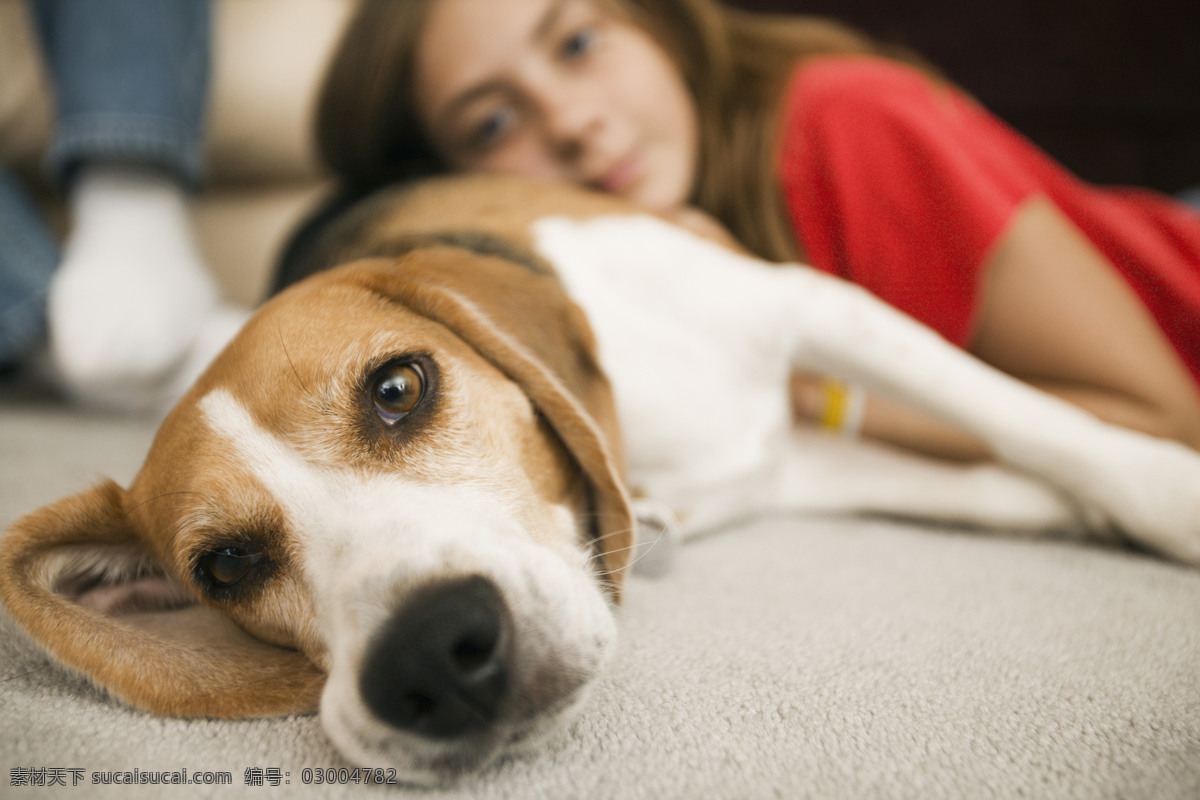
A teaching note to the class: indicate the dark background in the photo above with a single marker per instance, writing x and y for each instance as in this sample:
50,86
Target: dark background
1111,88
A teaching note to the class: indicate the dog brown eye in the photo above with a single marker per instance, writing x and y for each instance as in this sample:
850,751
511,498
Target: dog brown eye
398,389
228,565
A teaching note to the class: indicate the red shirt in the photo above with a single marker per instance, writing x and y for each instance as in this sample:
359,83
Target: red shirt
903,186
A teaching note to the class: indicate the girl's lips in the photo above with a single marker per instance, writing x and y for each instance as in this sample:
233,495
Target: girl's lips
621,176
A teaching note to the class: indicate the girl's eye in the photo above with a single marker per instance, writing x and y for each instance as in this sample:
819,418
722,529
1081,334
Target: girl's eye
578,44
492,128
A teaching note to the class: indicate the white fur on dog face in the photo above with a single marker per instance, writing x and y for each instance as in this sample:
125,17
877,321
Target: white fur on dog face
366,540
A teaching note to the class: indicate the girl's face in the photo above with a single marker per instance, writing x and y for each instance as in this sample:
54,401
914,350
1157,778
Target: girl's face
557,89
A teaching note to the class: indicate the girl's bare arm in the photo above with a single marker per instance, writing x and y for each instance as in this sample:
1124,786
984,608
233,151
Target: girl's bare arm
1056,314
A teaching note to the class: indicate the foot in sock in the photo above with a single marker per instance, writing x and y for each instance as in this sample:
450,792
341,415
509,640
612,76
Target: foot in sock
132,294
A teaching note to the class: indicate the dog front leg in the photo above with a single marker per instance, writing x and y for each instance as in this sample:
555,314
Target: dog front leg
1146,488
823,474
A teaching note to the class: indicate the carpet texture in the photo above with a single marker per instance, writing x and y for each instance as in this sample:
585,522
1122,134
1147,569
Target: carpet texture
783,659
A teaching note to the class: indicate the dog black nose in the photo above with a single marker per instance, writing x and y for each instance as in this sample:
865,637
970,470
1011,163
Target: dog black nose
438,667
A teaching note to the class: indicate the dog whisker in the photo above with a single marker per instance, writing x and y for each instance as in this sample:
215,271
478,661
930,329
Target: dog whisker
639,557
621,533
605,553
288,356
611,534
18,676
155,497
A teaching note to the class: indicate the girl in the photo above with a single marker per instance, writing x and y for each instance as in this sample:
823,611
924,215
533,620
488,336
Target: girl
808,142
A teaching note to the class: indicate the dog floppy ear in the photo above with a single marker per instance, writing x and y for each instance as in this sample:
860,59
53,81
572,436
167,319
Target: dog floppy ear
85,586
520,319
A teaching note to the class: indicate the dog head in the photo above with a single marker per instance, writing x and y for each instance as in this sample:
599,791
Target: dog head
395,495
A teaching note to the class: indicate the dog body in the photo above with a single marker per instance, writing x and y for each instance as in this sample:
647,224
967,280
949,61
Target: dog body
401,495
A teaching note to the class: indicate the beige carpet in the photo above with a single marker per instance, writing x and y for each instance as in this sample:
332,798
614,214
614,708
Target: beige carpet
788,658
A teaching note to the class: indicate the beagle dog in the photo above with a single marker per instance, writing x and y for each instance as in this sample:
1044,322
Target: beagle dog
400,495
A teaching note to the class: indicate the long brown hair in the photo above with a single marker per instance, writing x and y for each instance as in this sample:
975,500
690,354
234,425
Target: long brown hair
735,63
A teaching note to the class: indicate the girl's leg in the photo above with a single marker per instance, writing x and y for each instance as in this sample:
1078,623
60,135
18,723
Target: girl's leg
131,83
133,296
28,256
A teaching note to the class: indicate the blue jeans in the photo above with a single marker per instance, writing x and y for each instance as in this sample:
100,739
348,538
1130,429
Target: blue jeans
28,256
130,84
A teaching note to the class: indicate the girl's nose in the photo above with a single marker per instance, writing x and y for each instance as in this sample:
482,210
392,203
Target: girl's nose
570,121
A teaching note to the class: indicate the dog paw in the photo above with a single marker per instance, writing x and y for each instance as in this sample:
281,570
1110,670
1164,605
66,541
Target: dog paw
1145,488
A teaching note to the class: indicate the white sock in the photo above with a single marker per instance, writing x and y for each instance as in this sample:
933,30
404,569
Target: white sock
132,294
